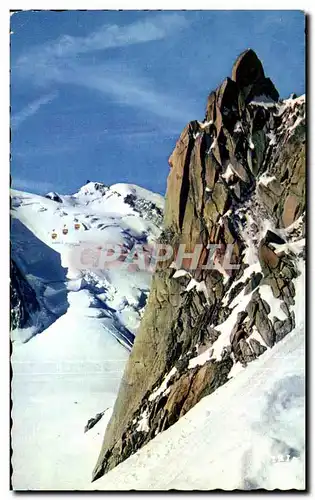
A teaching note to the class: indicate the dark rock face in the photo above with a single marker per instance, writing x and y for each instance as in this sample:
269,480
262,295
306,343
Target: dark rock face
54,196
93,421
146,208
23,300
247,69
248,73
244,165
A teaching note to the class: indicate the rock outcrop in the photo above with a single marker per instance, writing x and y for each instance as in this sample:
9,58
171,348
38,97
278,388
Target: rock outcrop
23,301
237,180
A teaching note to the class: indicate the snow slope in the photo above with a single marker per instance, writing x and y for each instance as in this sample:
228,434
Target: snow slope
248,434
62,378
68,364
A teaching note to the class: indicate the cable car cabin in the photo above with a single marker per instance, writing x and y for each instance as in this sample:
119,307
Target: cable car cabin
65,230
53,236
77,226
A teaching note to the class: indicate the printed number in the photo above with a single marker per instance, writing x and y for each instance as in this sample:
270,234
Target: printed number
280,458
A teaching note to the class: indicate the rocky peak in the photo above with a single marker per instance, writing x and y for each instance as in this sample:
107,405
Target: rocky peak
247,69
225,141
236,179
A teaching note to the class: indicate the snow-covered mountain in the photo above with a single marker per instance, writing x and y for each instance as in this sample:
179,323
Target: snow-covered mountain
97,215
69,352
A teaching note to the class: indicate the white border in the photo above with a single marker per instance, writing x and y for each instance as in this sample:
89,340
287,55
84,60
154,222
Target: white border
5,6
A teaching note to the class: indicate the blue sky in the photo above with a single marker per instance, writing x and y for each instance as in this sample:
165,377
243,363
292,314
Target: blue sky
104,95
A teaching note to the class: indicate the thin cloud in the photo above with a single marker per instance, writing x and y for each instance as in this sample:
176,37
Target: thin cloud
31,185
130,90
49,149
58,62
107,37
31,109
122,87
